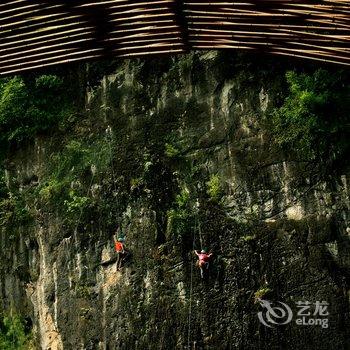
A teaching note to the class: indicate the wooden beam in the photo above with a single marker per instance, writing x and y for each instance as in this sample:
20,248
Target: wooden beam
43,33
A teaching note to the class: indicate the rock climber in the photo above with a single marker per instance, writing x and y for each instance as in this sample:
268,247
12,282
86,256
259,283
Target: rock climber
203,260
121,251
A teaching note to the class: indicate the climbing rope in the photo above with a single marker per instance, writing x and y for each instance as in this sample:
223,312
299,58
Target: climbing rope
200,235
109,137
196,226
191,289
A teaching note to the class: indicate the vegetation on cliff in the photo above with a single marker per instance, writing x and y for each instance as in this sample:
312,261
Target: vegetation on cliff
32,106
311,124
313,120
174,171
13,334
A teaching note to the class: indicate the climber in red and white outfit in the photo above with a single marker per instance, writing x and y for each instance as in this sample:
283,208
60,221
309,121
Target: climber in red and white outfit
203,260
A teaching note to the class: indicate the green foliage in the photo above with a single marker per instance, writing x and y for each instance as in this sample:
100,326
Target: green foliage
214,189
3,187
74,161
136,182
171,151
183,198
75,203
249,238
13,335
50,190
83,291
31,106
180,217
13,211
259,294
6,212
313,121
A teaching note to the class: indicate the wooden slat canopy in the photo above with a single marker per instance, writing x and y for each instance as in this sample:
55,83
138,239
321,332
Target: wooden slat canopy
38,33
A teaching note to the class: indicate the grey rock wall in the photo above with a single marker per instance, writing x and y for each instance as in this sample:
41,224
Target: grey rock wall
280,226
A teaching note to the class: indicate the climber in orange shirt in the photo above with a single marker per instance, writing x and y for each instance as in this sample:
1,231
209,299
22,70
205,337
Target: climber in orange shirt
121,251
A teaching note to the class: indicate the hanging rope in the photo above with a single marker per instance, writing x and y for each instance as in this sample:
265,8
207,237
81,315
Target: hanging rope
191,289
198,224
196,227
109,137
200,235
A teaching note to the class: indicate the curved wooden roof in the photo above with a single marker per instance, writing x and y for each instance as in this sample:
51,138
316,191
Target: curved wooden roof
38,33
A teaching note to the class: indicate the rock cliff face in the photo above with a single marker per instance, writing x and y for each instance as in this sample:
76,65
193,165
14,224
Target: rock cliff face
174,152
